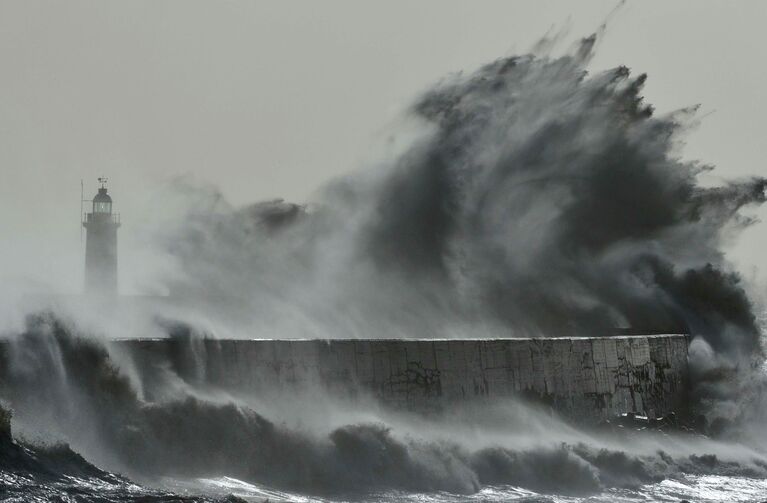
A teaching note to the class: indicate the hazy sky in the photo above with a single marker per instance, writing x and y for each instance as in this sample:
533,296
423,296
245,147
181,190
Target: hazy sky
271,99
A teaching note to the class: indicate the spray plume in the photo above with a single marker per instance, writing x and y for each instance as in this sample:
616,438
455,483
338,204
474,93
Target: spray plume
540,200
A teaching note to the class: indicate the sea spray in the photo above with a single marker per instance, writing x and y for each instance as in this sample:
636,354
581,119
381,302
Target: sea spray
538,201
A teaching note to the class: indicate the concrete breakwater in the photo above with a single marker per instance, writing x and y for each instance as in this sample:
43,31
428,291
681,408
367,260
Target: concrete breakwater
583,378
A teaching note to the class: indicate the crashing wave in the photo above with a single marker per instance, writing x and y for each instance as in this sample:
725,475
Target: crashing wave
186,435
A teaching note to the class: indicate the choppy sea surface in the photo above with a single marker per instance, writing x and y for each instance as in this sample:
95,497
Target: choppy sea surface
507,454
363,462
703,489
93,485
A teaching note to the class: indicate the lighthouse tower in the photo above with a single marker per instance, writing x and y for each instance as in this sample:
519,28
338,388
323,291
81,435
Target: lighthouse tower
101,244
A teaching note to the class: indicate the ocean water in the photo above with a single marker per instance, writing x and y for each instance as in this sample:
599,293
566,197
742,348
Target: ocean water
701,489
56,473
82,431
693,488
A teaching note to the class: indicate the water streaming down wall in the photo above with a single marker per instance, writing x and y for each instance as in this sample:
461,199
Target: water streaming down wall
584,378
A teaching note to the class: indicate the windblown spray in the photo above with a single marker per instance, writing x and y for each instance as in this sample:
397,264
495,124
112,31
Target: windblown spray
541,201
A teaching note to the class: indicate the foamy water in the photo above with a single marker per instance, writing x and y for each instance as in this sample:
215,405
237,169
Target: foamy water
694,488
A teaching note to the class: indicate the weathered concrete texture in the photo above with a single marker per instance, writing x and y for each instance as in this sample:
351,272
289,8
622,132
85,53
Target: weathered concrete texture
586,378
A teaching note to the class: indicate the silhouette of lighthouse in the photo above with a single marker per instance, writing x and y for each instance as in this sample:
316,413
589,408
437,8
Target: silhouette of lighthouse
101,244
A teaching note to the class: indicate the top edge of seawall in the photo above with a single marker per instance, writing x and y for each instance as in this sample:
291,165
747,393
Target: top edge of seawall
426,339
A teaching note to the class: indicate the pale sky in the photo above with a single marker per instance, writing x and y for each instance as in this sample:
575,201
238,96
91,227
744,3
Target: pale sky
271,99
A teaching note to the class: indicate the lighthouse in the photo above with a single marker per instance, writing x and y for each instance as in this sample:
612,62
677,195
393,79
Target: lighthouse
101,244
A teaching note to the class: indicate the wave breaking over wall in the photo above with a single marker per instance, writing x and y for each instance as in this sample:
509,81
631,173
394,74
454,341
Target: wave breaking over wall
168,423
535,200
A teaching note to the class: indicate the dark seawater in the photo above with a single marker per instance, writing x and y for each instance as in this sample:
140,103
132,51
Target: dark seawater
20,488
44,473
189,442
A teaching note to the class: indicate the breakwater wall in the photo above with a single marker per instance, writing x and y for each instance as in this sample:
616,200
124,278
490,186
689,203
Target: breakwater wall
584,378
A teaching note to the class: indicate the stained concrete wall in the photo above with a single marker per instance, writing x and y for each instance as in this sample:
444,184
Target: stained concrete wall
587,378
